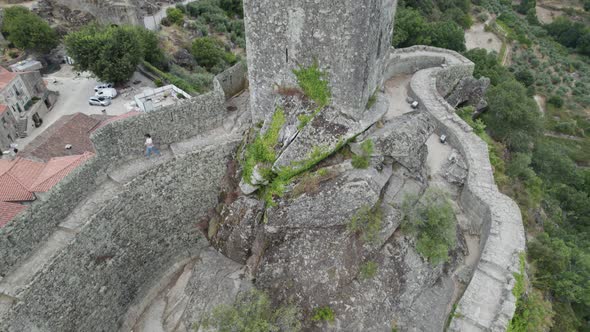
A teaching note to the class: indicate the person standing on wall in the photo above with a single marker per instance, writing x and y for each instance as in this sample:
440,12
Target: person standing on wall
149,146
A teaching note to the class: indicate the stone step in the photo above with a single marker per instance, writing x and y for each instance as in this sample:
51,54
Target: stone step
19,278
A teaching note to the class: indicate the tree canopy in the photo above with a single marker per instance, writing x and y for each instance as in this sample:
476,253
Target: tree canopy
112,53
28,31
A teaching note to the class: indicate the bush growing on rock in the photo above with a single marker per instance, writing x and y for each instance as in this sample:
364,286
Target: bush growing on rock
432,220
210,54
323,314
253,311
367,222
175,15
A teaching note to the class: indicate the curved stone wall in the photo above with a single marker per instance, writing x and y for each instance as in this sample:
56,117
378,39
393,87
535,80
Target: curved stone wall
114,142
488,302
129,243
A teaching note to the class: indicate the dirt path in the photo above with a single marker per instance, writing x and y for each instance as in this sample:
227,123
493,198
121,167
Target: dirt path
560,135
477,37
541,103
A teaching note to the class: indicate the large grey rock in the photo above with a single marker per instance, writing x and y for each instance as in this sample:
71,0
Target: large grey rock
328,130
335,202
470,91
237,225
215,280
403,139
455,169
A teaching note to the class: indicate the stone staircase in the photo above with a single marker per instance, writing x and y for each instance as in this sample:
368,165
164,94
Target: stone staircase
21,127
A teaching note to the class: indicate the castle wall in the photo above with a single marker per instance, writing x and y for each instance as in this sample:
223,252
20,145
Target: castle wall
488,302
133,239
114,142
349,39
234,80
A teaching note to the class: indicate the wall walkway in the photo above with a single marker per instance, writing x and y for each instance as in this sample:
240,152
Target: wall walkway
488,303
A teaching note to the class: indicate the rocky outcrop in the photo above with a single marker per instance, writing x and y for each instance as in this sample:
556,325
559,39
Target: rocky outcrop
327,131
402,139
470,91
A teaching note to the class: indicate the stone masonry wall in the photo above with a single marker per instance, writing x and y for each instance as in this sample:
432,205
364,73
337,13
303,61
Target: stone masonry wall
488,302
125,247
234,79
167,125
348,38
117,140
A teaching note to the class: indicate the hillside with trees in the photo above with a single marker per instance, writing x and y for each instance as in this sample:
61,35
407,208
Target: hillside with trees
541,154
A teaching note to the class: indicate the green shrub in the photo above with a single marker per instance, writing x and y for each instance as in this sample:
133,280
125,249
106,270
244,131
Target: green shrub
323,314
367,222
432,220
28,31
208,52
158,82
314,83
556,101
368,270
363,160
175,15
252,311
262,149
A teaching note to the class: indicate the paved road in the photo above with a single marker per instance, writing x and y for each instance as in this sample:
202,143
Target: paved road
153,22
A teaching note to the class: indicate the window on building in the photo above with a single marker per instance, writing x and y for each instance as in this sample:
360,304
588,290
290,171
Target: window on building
16,90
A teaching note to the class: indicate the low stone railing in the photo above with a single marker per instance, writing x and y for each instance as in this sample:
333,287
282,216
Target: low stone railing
488,302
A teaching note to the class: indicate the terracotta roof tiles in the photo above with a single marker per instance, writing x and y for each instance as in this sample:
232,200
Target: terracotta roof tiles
9,211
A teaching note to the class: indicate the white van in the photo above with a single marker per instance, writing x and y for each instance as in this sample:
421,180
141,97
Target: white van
108,92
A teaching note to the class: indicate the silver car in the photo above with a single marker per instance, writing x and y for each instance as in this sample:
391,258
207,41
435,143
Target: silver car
99,101
101,86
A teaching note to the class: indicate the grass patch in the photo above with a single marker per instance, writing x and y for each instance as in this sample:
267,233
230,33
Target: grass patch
262,149
432,220
372,100
314,84
363,160
252,311
366,221
323,314
368,270
310,183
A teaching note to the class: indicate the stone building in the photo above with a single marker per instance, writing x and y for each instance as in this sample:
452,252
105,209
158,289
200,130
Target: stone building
349,41
26,97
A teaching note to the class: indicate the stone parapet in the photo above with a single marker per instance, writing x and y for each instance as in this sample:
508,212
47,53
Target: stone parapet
113,143
488,303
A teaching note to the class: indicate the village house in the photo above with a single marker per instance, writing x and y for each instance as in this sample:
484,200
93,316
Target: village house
24,101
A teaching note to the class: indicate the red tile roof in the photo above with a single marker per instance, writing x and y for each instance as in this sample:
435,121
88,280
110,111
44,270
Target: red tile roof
57,169
71,129
9,211
16,178
3,108
6,77
20,178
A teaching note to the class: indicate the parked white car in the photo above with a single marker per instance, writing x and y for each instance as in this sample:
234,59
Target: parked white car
99,101
101,86
107,92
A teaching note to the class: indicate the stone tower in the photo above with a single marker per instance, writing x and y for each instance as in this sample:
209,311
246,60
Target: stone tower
348,38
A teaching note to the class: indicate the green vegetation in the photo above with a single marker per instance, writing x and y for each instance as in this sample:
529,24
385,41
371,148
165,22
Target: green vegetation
220,16
432,220
310,182
111,53
210,54
314,84
368,270
175,16
367,223
262,149
323,314
432,23
252,311
363,160
372,100
192,84
28,31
